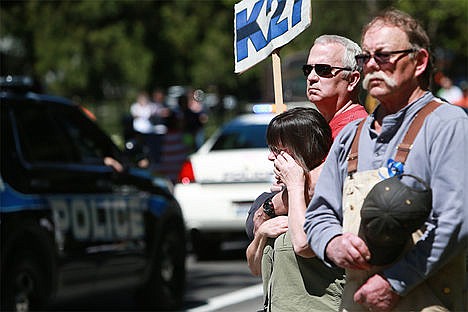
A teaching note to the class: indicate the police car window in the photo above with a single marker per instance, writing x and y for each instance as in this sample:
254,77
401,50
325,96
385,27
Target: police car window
83,135
250,136
40,139
58,134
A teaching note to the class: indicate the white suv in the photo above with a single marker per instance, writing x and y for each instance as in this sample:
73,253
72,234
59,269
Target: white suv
222,179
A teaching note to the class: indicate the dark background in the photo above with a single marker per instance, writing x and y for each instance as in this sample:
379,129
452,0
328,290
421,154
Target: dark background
102,53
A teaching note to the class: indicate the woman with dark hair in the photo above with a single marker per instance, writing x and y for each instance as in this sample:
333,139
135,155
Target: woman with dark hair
302,133
299,140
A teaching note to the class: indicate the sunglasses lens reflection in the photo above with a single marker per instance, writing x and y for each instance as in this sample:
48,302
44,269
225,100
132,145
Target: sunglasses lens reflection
362,59
323,70
382,58
307,69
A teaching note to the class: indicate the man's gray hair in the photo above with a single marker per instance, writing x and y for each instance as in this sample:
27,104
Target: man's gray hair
351,48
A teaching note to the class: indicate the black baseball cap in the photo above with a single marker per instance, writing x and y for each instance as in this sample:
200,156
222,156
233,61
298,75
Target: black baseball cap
249,223
391,212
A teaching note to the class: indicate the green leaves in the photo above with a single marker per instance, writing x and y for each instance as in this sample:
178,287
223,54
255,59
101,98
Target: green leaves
112,49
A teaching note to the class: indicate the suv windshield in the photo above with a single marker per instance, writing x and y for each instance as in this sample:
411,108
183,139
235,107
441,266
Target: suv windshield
245,136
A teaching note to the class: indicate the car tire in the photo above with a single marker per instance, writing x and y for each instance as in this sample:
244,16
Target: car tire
204,249
24,284
165,288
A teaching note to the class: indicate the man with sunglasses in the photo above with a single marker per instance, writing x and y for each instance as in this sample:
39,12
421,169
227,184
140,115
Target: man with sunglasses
332,81
332,85
431,273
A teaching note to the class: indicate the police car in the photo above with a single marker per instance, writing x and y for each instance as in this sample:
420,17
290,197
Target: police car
221,180
75,217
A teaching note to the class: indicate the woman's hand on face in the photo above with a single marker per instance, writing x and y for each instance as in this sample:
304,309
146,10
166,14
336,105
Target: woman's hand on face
288,171
277,186
274,227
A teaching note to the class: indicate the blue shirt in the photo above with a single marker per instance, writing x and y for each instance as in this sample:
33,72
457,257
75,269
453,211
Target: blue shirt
438,156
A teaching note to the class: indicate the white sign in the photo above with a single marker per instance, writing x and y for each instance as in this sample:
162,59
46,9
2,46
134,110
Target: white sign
261,26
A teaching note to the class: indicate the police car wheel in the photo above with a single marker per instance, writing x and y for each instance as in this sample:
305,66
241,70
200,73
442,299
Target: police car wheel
166,287
25,284
204,248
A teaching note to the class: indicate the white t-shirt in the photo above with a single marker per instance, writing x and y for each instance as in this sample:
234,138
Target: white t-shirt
141,116
452,95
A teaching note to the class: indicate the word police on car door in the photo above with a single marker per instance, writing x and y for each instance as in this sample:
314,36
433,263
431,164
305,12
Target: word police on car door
100,218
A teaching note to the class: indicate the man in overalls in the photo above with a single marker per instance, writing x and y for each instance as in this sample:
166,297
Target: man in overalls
430,274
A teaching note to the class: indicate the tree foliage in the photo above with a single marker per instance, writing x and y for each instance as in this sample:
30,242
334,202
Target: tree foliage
111,49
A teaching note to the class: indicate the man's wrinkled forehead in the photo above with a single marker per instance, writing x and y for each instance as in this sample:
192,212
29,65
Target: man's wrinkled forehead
327,53
381,35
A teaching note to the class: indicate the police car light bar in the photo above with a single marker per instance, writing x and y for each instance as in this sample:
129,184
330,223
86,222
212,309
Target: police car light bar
264,108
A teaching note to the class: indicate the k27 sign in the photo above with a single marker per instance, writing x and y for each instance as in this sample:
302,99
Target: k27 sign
261,26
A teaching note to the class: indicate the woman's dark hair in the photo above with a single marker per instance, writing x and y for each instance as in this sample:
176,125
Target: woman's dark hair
304,133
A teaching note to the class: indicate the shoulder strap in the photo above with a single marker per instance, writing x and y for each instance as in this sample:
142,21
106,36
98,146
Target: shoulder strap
353,154
404,147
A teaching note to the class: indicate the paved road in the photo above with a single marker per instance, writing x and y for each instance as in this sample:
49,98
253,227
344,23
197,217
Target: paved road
222,284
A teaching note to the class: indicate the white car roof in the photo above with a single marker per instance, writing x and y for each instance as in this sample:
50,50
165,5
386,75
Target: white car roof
236,164
246,119
253,119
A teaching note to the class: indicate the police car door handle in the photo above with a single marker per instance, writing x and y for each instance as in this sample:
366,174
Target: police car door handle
103,184
40,183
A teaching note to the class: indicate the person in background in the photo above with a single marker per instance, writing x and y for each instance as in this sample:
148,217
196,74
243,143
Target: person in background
174,151
463,102
158,120
142,111
196,105
431,275
195,118
448,91
158,97
332,85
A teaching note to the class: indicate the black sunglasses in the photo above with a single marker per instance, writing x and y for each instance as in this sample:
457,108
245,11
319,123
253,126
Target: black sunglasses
380,57
323,70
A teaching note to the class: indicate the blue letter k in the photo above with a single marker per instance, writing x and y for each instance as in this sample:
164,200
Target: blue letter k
249,29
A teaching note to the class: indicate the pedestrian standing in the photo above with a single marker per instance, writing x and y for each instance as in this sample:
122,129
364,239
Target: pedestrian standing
410,134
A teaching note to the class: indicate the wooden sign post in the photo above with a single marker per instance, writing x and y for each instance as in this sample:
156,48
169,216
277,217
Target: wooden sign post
277,82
